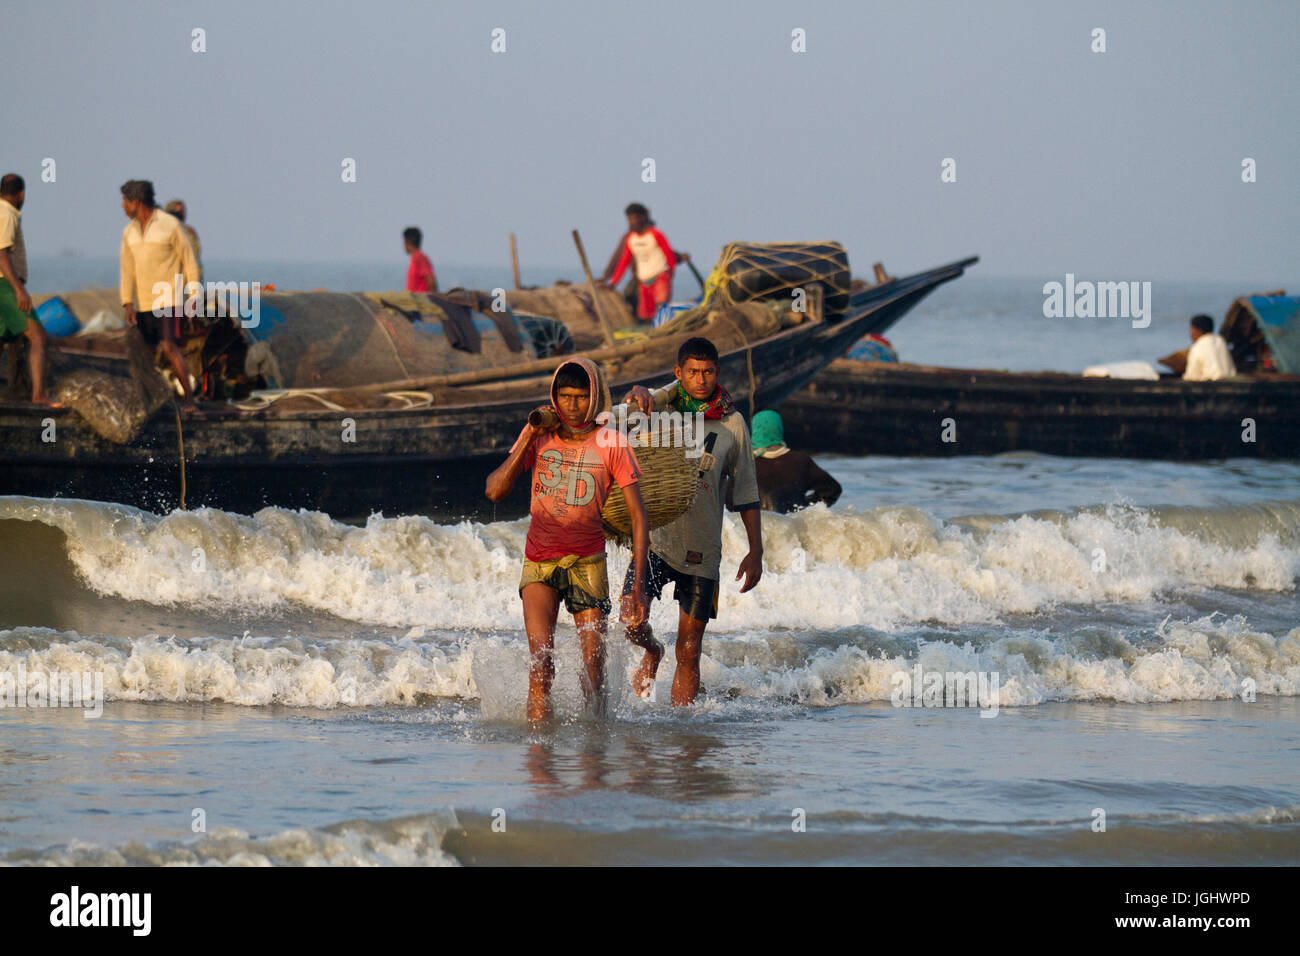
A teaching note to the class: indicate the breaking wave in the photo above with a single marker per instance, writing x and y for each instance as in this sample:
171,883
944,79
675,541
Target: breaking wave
848,600
886,568
1206,659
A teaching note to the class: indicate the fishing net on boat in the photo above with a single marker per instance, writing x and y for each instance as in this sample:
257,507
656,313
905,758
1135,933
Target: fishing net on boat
752,320
668,483
116,406
573,305
774,270
341,340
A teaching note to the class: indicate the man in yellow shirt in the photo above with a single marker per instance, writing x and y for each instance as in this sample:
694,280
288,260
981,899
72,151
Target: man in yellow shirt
155,250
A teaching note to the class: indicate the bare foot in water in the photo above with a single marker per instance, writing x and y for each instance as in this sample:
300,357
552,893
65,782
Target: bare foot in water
643,681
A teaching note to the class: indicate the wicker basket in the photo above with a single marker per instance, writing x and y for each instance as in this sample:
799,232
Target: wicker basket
668,483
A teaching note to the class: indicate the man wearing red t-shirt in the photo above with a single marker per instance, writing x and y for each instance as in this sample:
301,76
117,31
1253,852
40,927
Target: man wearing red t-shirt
419,274
574,467
655,262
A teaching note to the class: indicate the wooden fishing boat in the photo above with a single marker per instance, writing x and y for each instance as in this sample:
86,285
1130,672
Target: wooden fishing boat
417,444
886,408
880,408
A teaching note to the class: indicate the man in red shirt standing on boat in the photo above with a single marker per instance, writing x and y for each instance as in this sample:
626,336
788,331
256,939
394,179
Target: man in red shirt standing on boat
654,258
419,274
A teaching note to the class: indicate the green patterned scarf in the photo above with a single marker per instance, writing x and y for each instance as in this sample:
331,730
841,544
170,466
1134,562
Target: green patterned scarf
717,407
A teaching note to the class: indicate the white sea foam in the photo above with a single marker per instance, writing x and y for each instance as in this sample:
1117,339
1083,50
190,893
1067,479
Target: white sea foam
413,841
886,568
252,671
1205,659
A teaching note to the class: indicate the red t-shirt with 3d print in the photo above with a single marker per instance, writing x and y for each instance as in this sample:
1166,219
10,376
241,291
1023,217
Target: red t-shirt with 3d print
571,482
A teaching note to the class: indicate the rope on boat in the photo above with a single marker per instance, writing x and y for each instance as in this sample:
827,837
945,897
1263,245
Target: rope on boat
256,401
180,444
260,400
749,359
412,399
391,344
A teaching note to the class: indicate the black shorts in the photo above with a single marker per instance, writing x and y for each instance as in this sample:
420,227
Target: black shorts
154,329
697,596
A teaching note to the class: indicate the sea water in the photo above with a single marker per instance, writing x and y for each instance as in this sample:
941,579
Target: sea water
325,692
282,687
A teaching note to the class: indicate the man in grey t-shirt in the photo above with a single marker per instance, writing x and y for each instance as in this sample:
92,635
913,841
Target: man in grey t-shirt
688,552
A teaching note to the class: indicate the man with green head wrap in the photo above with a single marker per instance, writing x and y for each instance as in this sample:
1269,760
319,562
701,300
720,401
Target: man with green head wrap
787,479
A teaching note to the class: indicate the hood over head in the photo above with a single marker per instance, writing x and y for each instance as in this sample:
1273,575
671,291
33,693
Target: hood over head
600,400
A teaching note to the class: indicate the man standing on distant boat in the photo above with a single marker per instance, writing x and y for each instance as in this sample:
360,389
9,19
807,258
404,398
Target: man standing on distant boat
16,317
419,274
1208,359
688,551
177,208
155,250
655,262
575,464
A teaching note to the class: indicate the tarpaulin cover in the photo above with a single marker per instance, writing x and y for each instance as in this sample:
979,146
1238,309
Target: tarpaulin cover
1279,319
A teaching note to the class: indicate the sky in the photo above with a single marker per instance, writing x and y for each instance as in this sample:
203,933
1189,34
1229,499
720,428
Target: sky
1116,165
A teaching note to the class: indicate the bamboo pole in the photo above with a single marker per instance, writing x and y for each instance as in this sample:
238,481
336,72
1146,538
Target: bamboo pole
591,284
514,260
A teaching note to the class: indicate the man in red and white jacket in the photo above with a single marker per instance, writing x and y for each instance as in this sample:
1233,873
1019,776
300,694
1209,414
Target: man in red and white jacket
655,261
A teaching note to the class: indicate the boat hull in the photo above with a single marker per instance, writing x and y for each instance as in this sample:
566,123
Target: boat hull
351,464
862,408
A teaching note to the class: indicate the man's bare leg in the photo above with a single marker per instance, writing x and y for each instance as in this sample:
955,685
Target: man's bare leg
177,362
36,359
591,626
644,678
541,606
690,640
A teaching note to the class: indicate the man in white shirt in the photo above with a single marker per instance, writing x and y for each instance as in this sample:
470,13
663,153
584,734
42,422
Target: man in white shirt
17,320
1208,359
